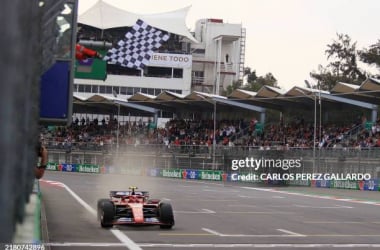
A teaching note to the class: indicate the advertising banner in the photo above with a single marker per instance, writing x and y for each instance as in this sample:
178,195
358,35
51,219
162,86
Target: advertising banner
300,182
322,183
88,168
52,166
171,173
210,175
344,184
371,185
170,60
192,174
68,167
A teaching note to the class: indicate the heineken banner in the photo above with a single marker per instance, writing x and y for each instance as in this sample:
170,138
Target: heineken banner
210,175
344,184
88,168
52,166
171,173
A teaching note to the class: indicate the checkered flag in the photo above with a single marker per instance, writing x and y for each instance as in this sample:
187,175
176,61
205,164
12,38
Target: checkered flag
135,50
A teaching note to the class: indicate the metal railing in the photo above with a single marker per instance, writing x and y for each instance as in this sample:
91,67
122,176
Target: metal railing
327,160
351,134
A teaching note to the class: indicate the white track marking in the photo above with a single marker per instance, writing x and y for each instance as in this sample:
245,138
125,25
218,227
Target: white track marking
250,246
127,242
290,232
190,212
240,205
80,201
315,196
204,211
336,206
211,231
342,222
210,245
220,191
125,239
208,211
262,197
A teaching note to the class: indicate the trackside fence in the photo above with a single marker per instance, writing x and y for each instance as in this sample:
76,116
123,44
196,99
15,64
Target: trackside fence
156,161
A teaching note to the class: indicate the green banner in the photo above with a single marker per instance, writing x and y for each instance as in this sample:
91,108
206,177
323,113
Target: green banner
210,175
88,168
52,166
171,173
344,184
91,68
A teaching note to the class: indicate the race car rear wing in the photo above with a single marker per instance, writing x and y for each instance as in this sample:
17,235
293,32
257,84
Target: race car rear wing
120,194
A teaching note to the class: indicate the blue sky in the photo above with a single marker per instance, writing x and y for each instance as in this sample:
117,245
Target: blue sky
285,37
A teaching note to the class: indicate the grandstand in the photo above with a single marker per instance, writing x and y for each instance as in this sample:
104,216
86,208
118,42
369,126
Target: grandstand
117,113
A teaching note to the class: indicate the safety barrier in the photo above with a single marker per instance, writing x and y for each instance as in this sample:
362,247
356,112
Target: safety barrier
215,175
29,231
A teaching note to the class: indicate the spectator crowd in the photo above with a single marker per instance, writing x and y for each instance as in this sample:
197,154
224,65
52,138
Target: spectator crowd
98,135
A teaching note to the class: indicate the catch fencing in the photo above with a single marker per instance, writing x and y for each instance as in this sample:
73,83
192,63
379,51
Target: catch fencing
339,161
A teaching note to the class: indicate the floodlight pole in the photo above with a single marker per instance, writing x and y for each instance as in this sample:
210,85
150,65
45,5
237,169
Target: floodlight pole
315,123
214,129
320,123
315,129
214,137
118,128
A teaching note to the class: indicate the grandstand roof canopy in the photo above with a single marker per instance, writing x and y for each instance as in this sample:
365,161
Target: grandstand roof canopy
367,95
102,103
105,16
368,91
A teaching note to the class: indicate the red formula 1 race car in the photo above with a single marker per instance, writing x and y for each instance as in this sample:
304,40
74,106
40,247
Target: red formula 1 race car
134,208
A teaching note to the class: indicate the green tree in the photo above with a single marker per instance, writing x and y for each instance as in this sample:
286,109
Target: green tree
371,55
254,82
251,75
343,65
231,88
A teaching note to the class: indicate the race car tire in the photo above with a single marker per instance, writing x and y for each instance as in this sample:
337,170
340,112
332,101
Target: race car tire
166,215
106,212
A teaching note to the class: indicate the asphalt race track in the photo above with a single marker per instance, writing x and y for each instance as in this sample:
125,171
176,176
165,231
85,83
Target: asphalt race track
211,215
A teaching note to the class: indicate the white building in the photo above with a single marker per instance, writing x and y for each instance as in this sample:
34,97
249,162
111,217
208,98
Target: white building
218,58
208,59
